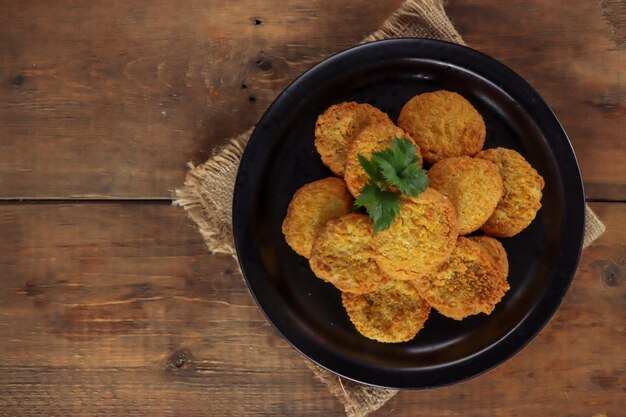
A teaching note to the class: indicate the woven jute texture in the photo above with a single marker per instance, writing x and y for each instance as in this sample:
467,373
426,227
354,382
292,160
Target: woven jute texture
207,194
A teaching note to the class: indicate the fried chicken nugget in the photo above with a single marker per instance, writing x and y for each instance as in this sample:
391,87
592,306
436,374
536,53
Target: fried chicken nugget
494,249
474,187
521,197
421,237
343,255
336,128
310,208
444,125
467,283
373,138
392,314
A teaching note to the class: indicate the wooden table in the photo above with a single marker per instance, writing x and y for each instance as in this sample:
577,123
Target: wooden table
109,302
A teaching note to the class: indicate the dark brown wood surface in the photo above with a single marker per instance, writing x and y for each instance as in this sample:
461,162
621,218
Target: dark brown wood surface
115,307
110,99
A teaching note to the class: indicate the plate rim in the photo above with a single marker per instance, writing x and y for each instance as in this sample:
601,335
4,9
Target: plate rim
529,325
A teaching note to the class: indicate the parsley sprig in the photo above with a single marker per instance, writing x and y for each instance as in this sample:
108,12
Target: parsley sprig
389,170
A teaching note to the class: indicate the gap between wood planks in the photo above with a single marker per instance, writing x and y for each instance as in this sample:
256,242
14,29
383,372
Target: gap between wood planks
61,201
156,201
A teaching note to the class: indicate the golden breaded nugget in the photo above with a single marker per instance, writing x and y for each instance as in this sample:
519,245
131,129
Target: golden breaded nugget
444,125
336,128
467,283
342,255
494,249
394,313
421,237
474,187
521,197
310,208
372,138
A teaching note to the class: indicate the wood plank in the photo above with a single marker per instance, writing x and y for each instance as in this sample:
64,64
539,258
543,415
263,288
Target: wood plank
574,54
118,309
111,309
111,99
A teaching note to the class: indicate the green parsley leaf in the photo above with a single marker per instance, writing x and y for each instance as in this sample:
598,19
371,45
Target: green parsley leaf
413,180
397,165
401,154
405,148
367,195
384,209
389,168
371,169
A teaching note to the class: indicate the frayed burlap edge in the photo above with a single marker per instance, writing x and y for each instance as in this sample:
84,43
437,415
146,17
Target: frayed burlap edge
418,19
207,194
594,228
359,400
208,190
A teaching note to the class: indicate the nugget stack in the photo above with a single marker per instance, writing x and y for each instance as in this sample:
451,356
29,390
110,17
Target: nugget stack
390,280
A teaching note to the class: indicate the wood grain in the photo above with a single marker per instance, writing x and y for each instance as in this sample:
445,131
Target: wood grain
110,99
112,309
573,53
118,309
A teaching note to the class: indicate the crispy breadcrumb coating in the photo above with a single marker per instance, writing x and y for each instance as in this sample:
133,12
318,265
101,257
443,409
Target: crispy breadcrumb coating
421,237
473,185
394,313
343,255
309,210
444,125
521,197
494,249
467,283
338,126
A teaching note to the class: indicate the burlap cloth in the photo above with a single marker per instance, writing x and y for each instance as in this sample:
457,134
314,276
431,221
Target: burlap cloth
207,194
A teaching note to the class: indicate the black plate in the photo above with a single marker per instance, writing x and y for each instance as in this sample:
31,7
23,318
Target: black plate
281,157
